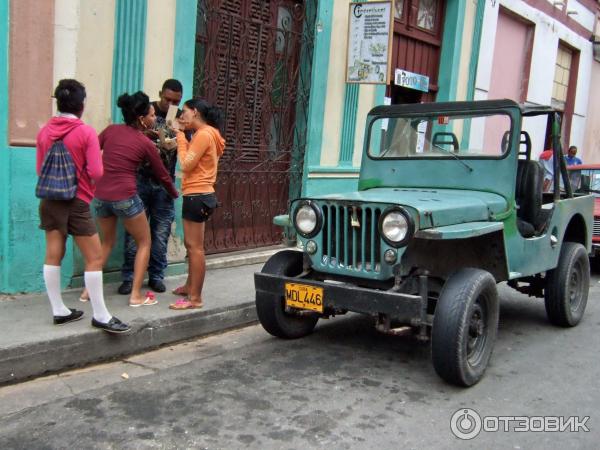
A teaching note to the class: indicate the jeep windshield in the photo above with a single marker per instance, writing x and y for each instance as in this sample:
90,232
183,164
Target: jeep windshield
585,181
440,136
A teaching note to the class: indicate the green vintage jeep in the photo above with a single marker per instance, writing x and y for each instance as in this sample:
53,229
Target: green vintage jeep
449,204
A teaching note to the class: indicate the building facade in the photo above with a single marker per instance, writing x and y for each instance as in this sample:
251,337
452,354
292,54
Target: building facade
541,52
434,38
112,46
276,68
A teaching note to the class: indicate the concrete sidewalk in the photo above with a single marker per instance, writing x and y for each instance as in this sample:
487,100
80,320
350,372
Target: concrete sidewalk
31,345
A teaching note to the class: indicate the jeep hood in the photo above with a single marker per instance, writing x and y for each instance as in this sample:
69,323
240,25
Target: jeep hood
434,207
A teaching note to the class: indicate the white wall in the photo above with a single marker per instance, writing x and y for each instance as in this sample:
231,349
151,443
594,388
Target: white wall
590,148
160,43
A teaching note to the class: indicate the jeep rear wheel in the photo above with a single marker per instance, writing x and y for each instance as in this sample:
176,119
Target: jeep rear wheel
567,286
271,308
465,325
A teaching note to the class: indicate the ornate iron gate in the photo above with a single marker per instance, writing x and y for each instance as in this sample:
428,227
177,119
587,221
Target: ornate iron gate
253,60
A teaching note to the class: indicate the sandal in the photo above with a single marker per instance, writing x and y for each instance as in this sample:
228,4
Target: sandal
183,303
148,301
180,291
82,298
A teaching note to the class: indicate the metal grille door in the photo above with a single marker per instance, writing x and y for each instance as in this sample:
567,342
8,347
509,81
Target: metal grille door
253,60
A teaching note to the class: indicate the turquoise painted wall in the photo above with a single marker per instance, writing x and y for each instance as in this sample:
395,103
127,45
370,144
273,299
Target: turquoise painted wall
185,44
318,90
316,111
320,186
128,61
22,245
454,21
4,159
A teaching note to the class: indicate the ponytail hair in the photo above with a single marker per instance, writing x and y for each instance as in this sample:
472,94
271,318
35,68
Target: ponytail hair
133,106
212,115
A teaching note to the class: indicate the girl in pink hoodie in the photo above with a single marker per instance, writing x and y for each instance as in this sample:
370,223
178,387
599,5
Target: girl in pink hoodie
59,218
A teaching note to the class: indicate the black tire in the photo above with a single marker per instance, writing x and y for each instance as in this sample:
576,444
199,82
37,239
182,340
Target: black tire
465,325
271,308
567,286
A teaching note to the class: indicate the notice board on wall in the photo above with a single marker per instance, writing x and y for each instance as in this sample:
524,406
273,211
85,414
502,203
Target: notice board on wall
369,42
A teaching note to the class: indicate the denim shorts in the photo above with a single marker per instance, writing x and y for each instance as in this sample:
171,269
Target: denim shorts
125,209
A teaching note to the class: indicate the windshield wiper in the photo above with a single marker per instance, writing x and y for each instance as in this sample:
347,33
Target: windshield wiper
469,168
385,152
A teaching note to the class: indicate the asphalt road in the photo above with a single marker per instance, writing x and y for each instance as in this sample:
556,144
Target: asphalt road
346,386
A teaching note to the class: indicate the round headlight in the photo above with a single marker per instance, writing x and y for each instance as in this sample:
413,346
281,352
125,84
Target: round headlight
396,227
306,220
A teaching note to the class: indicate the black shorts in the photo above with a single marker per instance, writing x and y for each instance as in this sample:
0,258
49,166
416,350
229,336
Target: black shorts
198,207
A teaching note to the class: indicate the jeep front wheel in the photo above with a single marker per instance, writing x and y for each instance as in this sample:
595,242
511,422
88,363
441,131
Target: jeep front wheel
271,308
465,325
567,286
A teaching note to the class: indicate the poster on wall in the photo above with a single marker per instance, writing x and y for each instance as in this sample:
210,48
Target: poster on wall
369,43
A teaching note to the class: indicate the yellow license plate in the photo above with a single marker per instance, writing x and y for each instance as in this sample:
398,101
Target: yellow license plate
304,297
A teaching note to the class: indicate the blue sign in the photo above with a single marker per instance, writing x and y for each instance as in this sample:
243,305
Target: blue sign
410,80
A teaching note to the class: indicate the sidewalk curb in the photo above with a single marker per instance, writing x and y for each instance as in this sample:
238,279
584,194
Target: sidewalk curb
214,261
19,363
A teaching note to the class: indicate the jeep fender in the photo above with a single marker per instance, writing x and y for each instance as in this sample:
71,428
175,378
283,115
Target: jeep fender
443,250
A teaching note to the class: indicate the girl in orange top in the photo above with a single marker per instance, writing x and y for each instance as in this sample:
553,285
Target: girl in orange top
198,161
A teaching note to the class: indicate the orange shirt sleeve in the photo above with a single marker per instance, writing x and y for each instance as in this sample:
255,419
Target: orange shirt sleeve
189,153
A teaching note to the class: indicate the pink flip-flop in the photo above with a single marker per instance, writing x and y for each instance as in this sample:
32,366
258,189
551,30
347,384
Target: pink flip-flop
179,290
148,301
183,303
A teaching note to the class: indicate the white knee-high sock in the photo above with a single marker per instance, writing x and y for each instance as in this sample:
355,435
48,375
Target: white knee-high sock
93,283
52,281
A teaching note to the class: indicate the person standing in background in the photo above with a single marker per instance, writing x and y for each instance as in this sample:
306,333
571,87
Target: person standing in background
60,218
159,205
571,158
125,147
547,161
198,160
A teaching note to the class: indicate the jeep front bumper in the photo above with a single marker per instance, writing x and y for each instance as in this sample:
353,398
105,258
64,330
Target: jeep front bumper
338,297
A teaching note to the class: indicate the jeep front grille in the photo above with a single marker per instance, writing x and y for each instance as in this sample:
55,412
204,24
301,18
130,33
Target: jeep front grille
351,244
596,231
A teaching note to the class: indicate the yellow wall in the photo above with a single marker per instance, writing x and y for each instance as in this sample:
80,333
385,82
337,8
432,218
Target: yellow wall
466,47
336,84
336,88
78,52
94,66
366,101
465,59
160,40
84,45
84,37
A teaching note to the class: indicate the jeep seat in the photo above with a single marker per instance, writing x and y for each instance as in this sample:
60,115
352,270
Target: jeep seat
528,195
